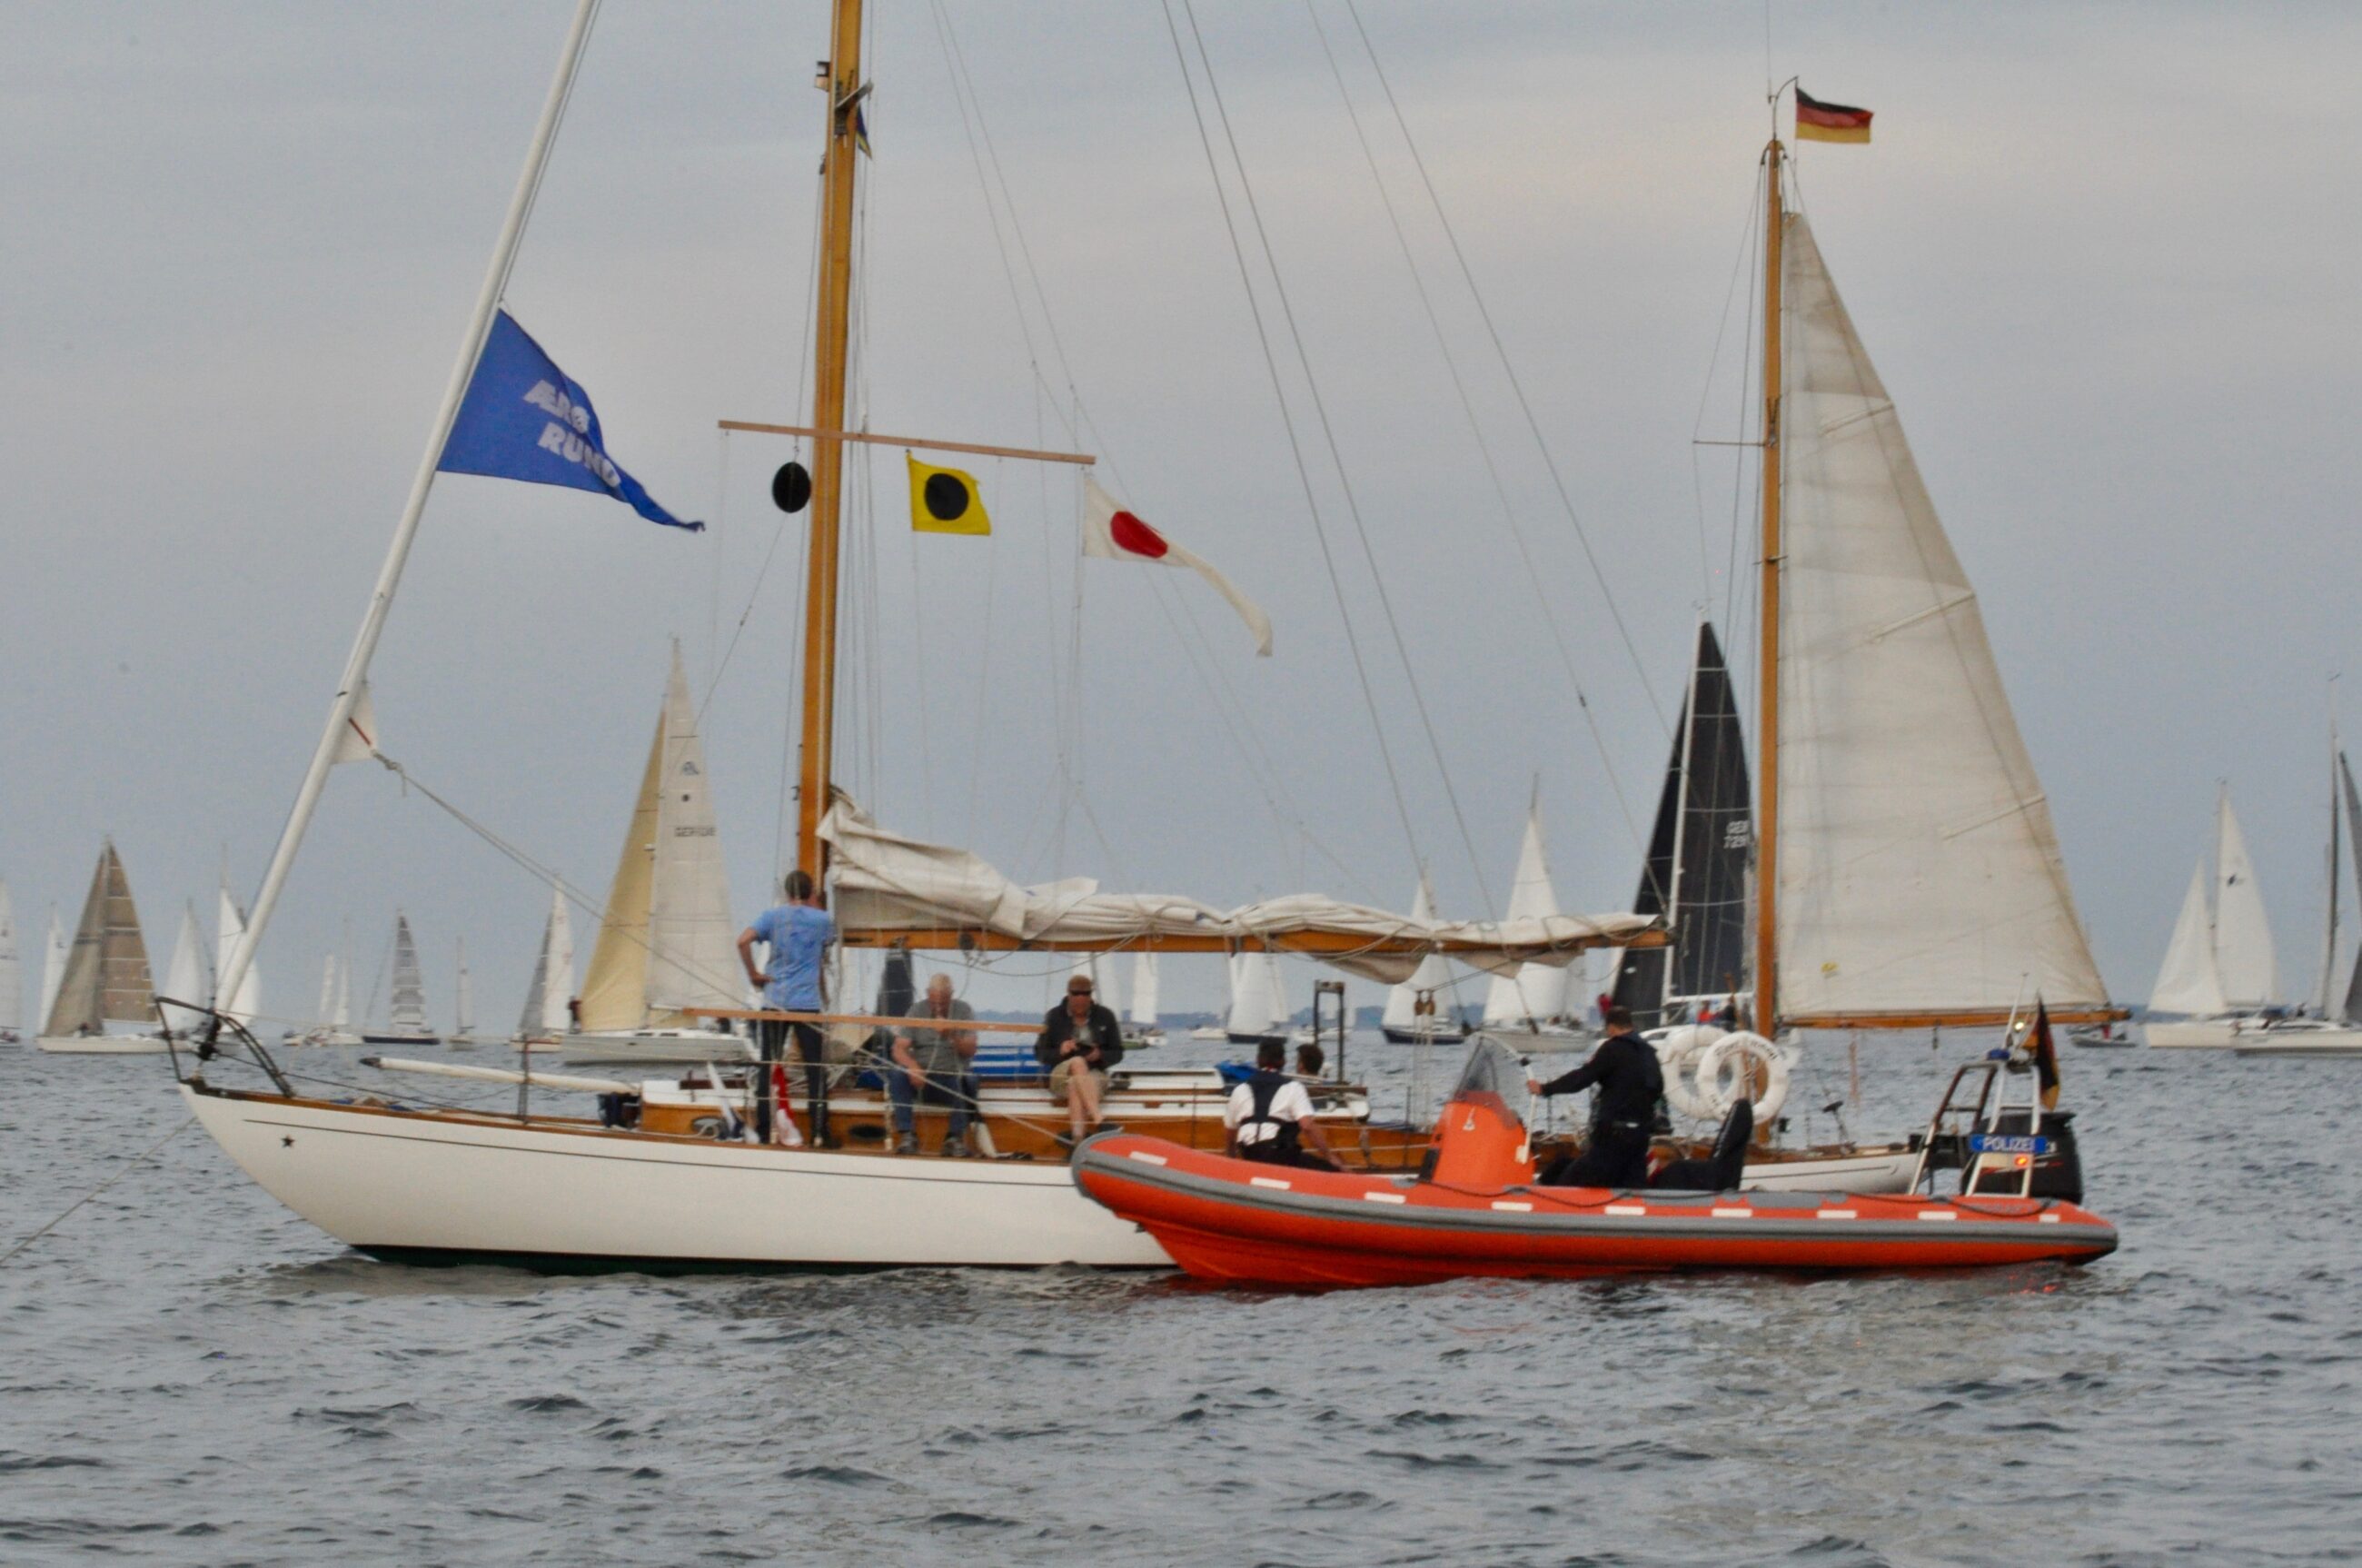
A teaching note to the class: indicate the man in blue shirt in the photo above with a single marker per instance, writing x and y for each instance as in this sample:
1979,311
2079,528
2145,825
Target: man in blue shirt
798,933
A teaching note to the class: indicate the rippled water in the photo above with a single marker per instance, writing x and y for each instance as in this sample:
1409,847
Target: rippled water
188,1373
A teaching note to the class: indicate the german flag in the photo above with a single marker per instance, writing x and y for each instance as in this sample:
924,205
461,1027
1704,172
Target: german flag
1816,121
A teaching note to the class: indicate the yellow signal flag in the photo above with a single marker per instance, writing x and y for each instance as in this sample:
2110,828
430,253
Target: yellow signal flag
945,501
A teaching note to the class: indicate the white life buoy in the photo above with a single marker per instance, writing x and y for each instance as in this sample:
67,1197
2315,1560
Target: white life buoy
1676,1049
1726,1071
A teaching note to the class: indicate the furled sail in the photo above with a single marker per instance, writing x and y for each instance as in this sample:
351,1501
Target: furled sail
2242,934
692,961
107,970
185,976
409,1009
1919,874
552,987
1433,977
1536,993
888,889
1699,854
2189,983
12,984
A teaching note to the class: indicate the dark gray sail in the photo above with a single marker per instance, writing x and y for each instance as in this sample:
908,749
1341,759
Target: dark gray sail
1699,852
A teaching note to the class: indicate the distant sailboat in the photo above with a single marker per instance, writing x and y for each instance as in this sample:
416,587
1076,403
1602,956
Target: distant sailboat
1532,1007
666,943
2219,976
463,1010
1141,1015
1699,855
549,995
187,978
228,926
406,1019
2336,1029
1430,986
105,979
1257,1004
53,966
12,982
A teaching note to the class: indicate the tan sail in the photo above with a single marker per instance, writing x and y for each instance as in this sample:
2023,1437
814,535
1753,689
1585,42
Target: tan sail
106,972
615,991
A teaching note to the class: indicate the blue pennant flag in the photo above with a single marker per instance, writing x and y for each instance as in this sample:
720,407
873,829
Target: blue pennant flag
525,419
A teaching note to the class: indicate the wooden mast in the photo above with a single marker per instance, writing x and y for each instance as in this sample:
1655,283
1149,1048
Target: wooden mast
1767,723
841,79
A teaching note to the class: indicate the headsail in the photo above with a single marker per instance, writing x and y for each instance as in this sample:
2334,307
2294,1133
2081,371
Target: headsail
55,956
1699,854
1257,995
185,977
1918,871
229,924
409,1009
691,959
1433,976
2189,983
615,988
2242,934
552,987
1537,992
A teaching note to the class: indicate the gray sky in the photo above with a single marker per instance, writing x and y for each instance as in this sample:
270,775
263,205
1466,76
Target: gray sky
2102,256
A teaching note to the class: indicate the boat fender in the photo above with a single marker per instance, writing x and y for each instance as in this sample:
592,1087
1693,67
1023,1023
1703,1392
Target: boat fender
1677,1048
1726,1071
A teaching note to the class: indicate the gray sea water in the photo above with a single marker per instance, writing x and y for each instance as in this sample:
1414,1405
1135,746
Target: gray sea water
191,1374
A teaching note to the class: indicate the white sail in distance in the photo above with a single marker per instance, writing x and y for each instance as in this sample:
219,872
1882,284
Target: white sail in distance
12,975
2243,935
229,924
1918,871
2190,982
53,966
1142,1012
546,1014
1256,994
326,1011
1433,975
342,1018
1537,992
186,976
463,1022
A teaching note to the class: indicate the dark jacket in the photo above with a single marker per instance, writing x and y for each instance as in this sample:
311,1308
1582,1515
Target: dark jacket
1102,1031
1630,1081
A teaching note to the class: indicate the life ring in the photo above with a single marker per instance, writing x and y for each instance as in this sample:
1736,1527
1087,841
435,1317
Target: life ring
1677,1048
1726,1070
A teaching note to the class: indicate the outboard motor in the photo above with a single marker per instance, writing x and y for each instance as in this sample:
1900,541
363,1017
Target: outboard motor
2057,1168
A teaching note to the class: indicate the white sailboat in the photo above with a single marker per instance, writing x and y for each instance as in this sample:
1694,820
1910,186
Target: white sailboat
2220,976
1258,1001
12,982
1533,1010
229,924
105,1002
407,1017
1142,1029
666,941
463,1006
405,1181
53,966
549,995
188,978
336,1013
1425,1008
2334,1029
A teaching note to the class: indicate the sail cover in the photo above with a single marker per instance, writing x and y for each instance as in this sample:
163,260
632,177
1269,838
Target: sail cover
1698,854
1919,870
884,883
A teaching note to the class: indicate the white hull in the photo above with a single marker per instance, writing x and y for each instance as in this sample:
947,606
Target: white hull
399,1183
1887,1172
2209,1034
102,1044
688,1047
2322,1042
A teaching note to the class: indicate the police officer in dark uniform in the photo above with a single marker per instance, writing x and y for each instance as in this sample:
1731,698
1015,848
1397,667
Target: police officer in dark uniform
1631,1082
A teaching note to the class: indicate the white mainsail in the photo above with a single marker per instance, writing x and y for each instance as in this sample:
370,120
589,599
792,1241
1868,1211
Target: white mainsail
12,982
1918,869
463,1022
2243,935
2190,982
1433,975
229,924
409,1009
546,999
1144,991
1537,992
186,978
53,966
342,1018
326,1011
1256,994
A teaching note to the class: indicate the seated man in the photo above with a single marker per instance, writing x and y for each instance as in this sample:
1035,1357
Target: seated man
1079,1041
1270,1116
932,1064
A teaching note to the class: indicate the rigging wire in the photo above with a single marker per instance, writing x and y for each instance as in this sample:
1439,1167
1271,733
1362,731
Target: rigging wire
133,1164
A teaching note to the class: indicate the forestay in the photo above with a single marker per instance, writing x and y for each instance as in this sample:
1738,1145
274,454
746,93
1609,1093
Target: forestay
885,884
1919,870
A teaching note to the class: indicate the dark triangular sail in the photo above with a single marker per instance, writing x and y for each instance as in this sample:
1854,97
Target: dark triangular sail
1698,854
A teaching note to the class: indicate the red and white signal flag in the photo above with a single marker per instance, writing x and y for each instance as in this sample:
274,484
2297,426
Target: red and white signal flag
1112,534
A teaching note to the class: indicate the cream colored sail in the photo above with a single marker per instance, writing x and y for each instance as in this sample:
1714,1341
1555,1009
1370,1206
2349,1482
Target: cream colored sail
106,971
1537,993
693,960
2190,982
2243,935
185,976
1433,975
1919,870
229,924
615,990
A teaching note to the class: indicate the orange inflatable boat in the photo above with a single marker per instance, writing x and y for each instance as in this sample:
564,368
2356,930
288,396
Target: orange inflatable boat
1476,1210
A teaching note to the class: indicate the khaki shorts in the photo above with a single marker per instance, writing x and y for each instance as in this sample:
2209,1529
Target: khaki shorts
1064,1070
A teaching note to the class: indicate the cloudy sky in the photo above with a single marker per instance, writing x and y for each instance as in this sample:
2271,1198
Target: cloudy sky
2102,254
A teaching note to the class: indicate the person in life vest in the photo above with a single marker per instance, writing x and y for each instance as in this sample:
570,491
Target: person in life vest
1270,1116
1630,1084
